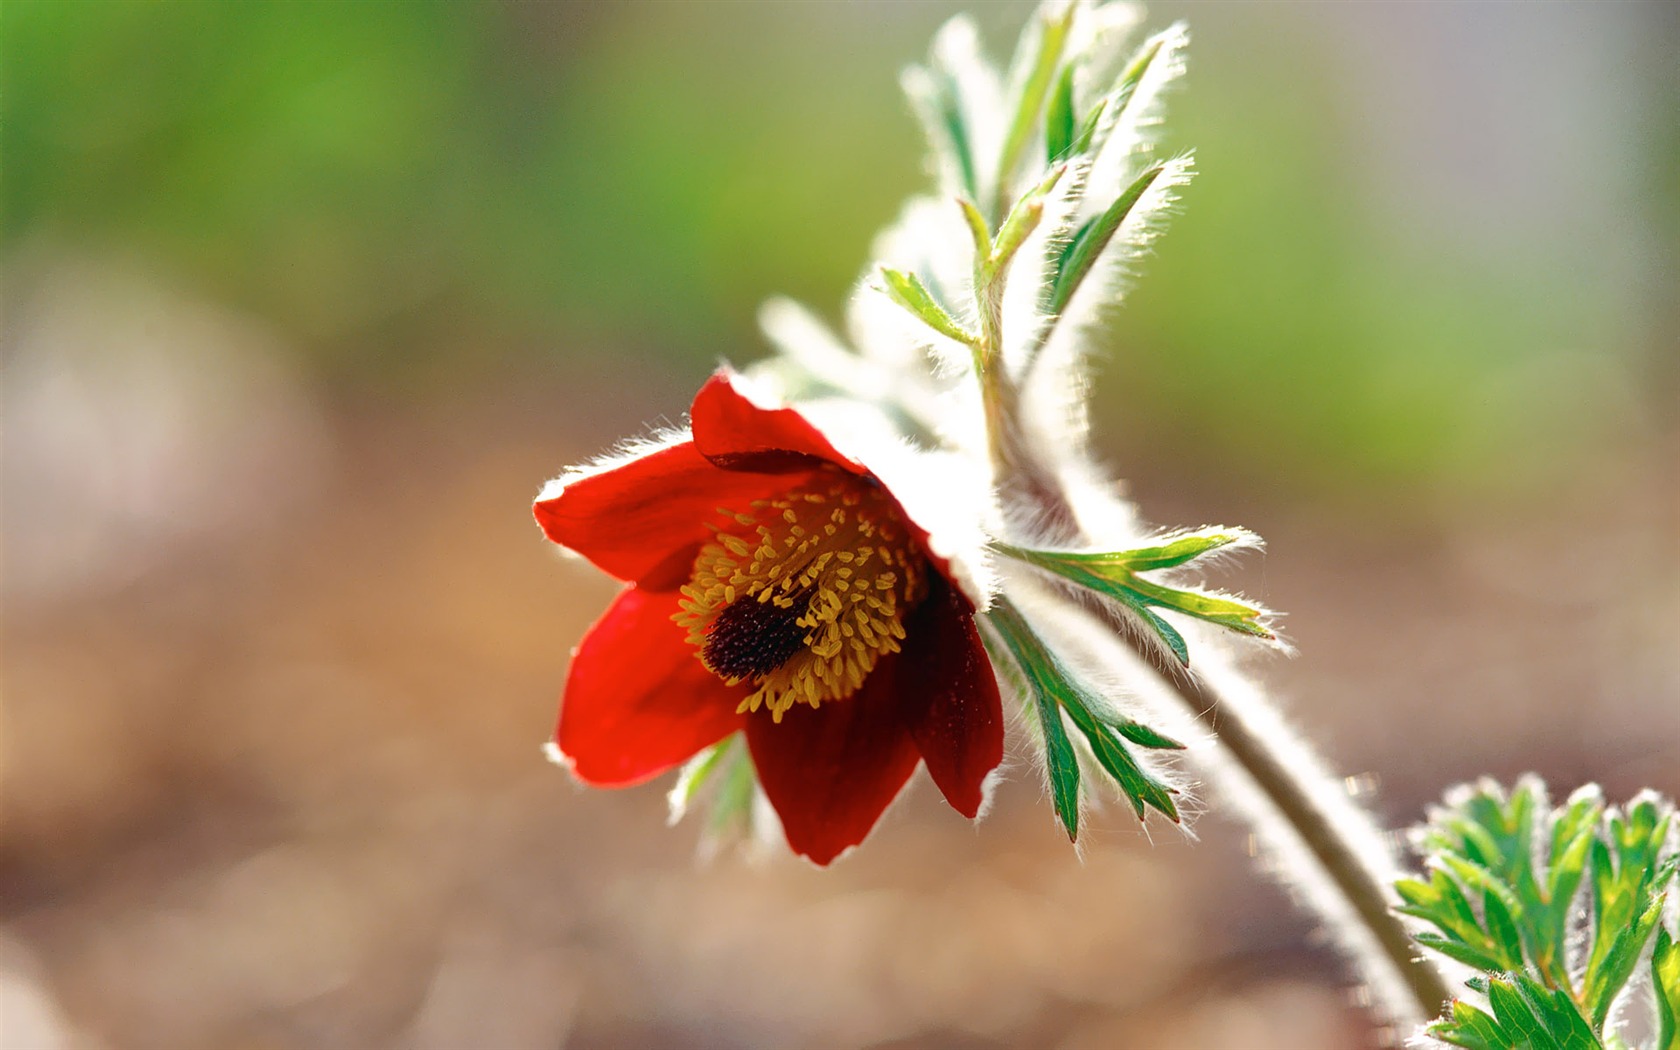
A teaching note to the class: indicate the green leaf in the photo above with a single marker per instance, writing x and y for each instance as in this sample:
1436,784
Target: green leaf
1056,689
955,125
732,806
1528,863
1517,1017
1455,949
1088,127
1168,633
1178,551
936,97
1472,1028
1140,788
1605,981
1665,982
1059,129
1138,733
695,775
1022,220
1162,47
1040,51
1226,612
1502,929
977,229
1063,765
907,290
1114,574
1081,252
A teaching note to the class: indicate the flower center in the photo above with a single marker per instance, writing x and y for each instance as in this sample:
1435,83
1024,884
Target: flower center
804,593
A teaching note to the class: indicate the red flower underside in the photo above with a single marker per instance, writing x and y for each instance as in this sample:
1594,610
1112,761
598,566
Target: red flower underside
637,701
736,434
831,771
949,698
630,519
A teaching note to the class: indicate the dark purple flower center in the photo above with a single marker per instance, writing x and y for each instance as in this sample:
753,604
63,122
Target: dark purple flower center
751,637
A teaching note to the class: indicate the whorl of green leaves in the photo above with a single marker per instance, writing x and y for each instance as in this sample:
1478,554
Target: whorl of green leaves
1556,908
1004,185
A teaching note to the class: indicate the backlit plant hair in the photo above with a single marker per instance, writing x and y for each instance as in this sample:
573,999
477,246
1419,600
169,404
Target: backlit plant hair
826,569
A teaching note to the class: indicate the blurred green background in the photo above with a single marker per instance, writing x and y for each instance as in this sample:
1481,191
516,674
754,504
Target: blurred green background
303,300
1424,246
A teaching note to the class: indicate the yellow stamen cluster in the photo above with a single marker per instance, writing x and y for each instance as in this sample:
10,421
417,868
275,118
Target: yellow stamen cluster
804,593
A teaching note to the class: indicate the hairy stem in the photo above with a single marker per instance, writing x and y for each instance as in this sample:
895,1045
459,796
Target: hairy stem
1295,790
1288,789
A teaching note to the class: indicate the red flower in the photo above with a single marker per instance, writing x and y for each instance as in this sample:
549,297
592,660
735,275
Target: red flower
776,587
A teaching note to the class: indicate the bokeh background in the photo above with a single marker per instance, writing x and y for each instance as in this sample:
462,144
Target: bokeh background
303,302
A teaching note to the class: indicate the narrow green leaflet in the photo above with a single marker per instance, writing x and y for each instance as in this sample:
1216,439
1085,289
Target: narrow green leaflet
1018,225
1086,246
936,98
1059,129
732,805
1115,574
1055,690
908,291
1041,50
719,781
696,774
1528,867
1525,1014
1665,978
1063,764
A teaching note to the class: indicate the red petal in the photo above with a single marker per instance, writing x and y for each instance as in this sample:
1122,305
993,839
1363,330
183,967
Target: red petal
630,519
949,698
736,434
831,771
637,701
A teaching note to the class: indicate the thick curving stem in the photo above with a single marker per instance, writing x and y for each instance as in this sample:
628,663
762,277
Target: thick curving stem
1296,791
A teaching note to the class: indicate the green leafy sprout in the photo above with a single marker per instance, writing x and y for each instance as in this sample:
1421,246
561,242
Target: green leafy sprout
1555,909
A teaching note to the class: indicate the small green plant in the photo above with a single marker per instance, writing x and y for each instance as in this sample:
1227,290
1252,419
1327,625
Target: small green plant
1560,911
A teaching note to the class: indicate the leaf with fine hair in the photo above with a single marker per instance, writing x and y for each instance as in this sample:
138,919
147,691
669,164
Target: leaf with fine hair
908,291
1114,574
1665,981
1056,689
1038,53
1088,243
1059,122
1528,863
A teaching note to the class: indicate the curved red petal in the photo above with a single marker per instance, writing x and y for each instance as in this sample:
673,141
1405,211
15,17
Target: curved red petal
630,519
734,433
948,697
637,702
831,771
